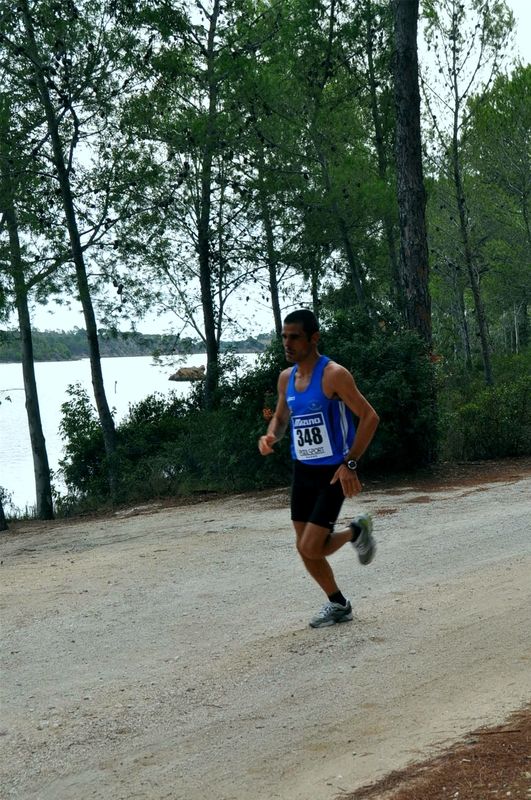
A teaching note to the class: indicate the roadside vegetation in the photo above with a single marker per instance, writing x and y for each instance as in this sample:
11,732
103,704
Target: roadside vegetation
170,447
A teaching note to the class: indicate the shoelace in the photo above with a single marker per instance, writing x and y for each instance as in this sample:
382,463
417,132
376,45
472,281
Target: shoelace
326,608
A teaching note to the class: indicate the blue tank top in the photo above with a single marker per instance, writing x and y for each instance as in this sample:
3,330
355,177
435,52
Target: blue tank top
322,429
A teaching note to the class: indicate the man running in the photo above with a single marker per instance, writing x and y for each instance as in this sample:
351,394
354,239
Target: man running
315,395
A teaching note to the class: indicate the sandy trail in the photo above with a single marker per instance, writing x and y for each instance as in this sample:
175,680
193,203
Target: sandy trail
167,654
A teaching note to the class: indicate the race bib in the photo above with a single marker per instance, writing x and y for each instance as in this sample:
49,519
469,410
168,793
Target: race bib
310,437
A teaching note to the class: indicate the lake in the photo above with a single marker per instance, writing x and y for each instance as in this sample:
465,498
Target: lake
127,380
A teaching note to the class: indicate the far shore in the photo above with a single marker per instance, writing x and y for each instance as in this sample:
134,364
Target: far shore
129,355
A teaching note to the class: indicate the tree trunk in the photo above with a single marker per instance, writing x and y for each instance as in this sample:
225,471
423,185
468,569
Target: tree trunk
315,280
351,258
472,272
464,223
459,311
41,469
316,140
516,329
387,220
465,336
411,193
3,522
525,327
106,420
203,232
272,260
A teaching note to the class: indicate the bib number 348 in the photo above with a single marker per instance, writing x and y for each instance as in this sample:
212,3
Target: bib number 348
310,437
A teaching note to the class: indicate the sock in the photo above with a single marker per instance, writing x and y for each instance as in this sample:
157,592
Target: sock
356,530
338,597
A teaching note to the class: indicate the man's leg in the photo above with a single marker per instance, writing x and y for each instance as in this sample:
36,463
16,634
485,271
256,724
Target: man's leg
314,544
319,500
314,540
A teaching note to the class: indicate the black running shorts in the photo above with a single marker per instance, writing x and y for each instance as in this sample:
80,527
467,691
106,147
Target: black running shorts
313,497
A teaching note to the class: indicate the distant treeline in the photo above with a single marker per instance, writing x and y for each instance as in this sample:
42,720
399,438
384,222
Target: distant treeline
72,345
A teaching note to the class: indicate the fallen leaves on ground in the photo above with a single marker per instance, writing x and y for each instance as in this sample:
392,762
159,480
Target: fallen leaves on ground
488,763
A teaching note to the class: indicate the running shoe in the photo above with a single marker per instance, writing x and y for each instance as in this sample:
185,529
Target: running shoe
364,544
330,614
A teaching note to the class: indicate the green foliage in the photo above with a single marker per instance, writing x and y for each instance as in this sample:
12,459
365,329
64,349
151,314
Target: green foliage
493,423
150,447
171,446
509,369
83,467
175,446
6,501
392,369
253,399
497,424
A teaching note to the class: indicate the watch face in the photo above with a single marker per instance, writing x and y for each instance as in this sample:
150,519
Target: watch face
351,464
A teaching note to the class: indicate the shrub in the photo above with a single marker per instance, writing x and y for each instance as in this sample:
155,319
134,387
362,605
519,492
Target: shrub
497,424
392,369
169,446
83,467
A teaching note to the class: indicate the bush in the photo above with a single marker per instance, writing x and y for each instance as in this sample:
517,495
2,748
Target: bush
392,369
83,467
497,424
169,446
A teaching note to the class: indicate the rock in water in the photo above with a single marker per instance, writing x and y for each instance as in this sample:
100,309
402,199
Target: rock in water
188,374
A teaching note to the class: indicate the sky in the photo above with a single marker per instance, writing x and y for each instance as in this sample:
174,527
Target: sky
522,12
53,317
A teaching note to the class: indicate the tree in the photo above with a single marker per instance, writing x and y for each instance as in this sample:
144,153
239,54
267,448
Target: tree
305,109
411,192
25,271
468,41
187,119
332,136
21,288
62,169
66,66
450,288
377,27
499,154
3,522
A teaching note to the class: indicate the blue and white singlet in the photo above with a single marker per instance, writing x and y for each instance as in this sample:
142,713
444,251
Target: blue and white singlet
322,429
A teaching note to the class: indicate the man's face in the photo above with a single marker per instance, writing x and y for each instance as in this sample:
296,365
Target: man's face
297,346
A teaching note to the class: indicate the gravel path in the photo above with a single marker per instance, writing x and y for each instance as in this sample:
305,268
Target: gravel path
165,653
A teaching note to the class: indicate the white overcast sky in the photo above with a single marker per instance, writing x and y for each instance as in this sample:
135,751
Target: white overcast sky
59,318
522,12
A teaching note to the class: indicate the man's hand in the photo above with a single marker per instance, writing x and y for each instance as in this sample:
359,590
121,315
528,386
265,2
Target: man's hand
265,444
350,482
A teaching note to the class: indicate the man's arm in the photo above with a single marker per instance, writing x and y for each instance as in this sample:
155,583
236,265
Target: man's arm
280,419
337,381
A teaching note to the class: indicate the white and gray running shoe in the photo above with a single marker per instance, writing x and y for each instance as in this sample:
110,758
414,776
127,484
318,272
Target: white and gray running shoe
330,614
364,544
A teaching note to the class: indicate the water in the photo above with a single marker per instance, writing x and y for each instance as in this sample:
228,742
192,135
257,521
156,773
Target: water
127,380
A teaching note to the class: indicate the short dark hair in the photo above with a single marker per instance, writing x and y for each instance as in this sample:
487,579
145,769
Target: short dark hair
306,318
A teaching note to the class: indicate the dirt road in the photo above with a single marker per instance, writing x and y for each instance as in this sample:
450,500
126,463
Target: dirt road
167,654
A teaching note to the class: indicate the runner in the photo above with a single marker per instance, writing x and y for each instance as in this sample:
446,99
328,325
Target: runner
315,395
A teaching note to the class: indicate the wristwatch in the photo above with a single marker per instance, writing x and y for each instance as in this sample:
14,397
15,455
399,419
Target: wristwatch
351,464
